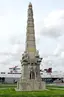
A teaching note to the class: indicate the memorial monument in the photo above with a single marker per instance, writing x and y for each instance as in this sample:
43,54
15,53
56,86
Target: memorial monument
30,62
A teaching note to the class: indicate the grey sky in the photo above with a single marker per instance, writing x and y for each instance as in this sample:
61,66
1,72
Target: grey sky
49,29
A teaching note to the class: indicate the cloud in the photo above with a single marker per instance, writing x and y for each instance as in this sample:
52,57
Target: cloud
53,42
56,58
18,38
53,32
54,24
11,50
11,38
60,46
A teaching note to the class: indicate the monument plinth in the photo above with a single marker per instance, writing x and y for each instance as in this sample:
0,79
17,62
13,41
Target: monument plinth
30,62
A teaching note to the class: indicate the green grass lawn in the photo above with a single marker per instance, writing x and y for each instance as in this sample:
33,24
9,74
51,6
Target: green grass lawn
47,93
7,90
8,85
54,86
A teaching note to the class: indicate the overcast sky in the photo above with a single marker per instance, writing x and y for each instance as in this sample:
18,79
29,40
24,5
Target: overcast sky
49,30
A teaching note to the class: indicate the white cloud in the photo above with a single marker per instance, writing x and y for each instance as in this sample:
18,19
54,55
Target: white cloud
54,24
12,39
53,32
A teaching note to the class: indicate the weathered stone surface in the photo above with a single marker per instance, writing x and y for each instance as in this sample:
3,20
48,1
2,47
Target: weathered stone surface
30,62
30,85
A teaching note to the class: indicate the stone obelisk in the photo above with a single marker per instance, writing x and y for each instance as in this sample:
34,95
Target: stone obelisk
30,79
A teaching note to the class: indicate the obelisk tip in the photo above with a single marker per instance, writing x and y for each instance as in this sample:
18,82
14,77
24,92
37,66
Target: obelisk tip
30,4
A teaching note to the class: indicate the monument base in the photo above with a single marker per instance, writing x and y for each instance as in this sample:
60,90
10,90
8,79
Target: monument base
30,85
